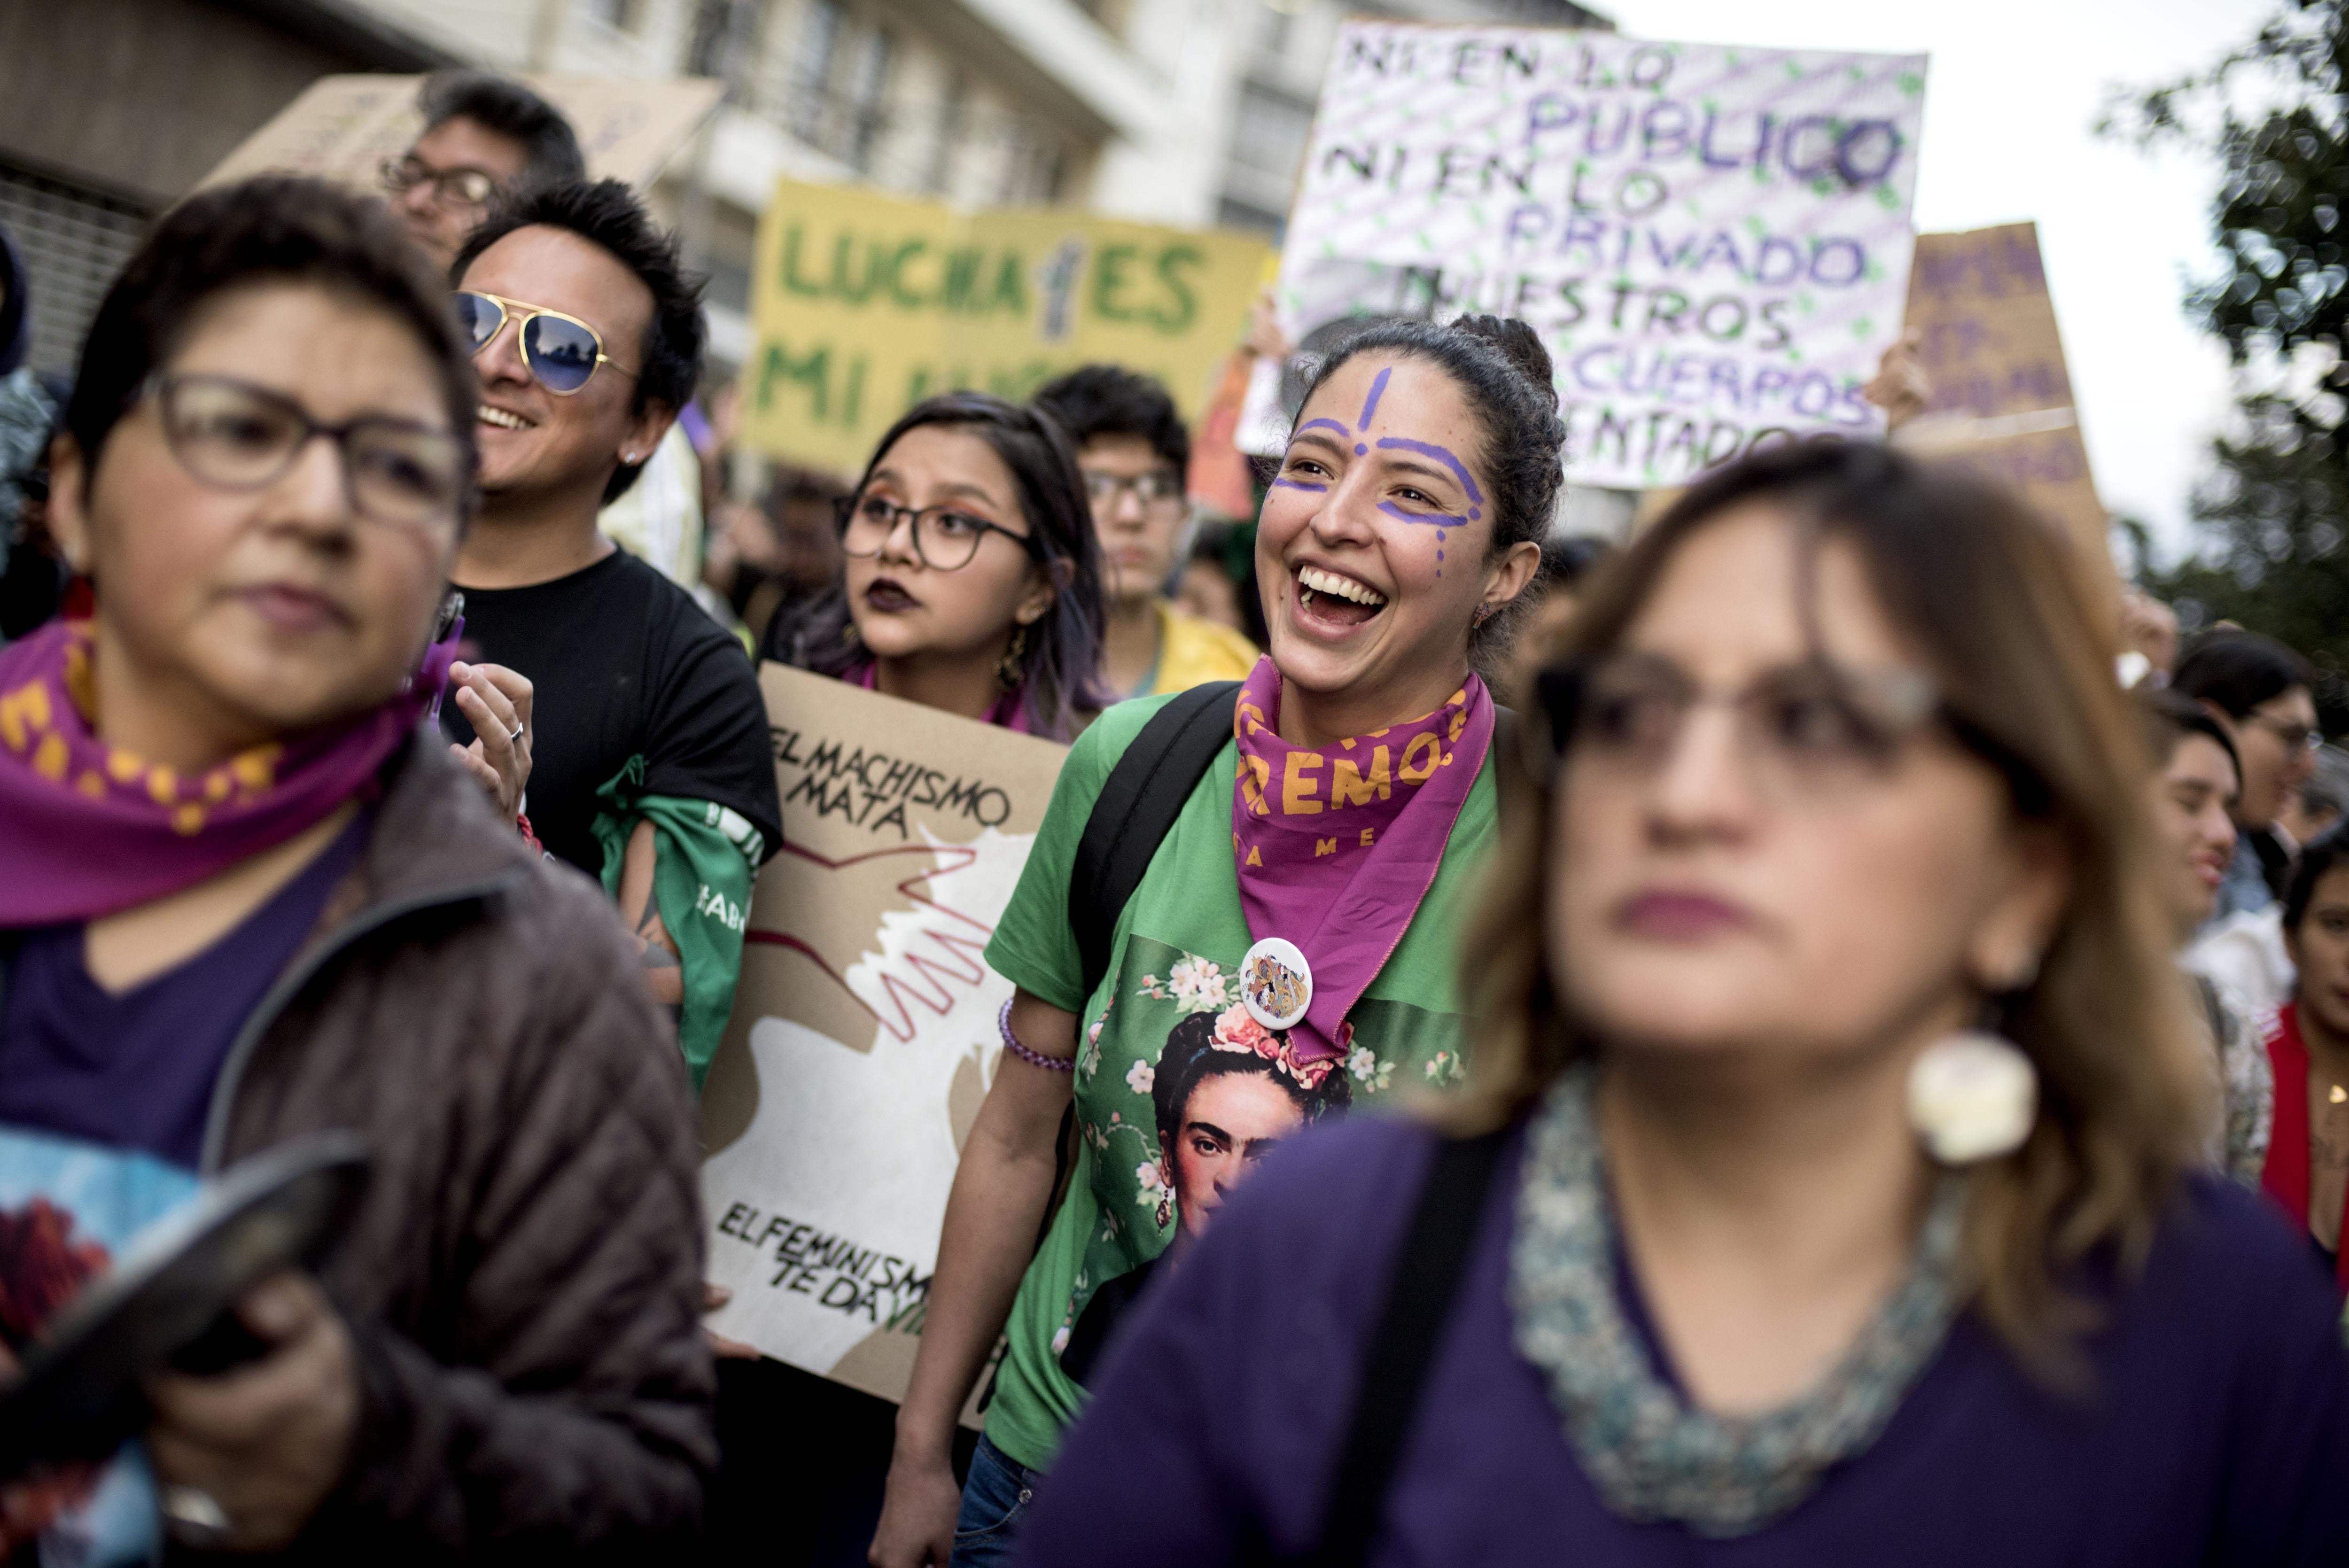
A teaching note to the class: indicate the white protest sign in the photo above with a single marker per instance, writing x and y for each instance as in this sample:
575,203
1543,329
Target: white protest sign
1713,241
863,1034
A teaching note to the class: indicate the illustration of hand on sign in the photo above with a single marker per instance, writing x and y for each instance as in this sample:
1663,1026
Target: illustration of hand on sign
831,912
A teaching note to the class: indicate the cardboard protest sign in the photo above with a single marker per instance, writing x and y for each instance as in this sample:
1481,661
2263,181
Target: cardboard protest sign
343,127
865,304
1713,241
2002,397
863,1034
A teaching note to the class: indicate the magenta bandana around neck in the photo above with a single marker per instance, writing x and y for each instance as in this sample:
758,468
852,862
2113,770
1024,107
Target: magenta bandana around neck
1337,847
1009,712
88,829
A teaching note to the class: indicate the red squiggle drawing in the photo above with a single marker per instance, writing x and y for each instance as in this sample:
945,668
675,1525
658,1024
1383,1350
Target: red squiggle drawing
957,959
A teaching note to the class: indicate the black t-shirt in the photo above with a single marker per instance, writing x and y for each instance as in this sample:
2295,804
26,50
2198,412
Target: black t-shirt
623,662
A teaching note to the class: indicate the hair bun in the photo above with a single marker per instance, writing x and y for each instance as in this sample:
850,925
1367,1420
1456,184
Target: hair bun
1520,345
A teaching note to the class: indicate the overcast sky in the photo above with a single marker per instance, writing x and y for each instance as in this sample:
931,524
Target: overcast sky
2012,94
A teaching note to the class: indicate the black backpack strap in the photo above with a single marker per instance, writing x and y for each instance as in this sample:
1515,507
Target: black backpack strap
1420,1293
1136,807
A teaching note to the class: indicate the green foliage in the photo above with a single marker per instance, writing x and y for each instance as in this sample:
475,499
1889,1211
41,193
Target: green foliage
2270,516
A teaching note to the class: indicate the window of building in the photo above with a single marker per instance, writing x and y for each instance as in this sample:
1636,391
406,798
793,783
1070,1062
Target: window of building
953,112
621,15
73,240
1269,131
866,98
810,91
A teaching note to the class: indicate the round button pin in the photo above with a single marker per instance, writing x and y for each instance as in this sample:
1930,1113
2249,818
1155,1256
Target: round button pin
1275,983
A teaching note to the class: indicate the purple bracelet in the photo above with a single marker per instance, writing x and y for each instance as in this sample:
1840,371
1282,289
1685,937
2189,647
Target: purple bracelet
1033,1059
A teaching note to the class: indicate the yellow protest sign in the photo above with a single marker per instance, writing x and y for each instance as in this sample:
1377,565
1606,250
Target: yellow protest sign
865,304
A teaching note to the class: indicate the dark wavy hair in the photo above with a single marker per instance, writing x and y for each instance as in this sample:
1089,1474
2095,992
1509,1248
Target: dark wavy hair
2238,670
608,214
1501,367
1061,668
1192,1057
1096,400
277,229
2327,851
2168,716
550,146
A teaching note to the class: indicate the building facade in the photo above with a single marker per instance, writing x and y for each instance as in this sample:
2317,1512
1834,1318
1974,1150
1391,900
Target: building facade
1178,111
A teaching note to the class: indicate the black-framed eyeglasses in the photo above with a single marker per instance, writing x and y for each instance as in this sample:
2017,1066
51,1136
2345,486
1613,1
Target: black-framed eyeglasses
945,537
2295,735
454,187
1160,490
235,435
560,351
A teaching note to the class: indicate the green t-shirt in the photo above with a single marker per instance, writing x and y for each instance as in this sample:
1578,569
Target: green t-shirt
1172,962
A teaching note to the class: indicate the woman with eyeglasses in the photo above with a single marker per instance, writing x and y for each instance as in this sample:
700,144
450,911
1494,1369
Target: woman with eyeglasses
245,897
1328,816
972,582
1832,1193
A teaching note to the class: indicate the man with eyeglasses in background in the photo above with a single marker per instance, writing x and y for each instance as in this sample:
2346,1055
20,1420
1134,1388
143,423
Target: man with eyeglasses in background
485,136
1133,449
647,763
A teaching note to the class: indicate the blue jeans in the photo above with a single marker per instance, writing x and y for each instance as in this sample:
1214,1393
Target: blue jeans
995,1496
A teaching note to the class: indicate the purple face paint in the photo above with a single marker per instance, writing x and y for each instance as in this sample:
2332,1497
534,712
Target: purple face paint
1378,390
1324,425
1442,455
1297,484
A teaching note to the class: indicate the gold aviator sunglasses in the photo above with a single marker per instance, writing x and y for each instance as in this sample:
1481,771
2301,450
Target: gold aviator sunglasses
561,351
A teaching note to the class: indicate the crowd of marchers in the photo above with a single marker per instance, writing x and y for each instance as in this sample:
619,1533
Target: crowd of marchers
1834,1035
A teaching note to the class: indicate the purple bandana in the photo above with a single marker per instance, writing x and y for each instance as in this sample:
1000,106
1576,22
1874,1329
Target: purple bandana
1336,848
88,829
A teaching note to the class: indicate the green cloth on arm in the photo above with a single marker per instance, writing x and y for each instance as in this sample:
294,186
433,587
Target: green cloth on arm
704,856
1175,952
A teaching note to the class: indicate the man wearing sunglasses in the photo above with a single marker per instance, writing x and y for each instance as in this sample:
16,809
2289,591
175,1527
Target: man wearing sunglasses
649,765
1133,449
485,136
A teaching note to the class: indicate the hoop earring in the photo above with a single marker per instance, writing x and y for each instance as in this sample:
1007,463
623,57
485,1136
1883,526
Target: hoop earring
1006,669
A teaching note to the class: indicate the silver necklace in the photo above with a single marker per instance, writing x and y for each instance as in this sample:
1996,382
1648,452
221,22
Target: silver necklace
1649,1454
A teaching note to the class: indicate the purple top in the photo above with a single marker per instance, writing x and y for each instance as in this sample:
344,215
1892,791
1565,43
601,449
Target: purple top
134,1069
2219,1435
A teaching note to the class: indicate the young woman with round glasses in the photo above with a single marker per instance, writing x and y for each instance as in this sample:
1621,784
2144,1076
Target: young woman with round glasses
1840,1201
972,582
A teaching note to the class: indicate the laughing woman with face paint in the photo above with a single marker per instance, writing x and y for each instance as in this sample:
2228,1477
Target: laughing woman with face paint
1300,909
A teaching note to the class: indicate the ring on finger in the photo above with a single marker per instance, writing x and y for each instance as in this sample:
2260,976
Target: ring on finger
516,736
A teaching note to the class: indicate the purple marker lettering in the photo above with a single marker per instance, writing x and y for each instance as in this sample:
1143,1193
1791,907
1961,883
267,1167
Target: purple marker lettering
1442,455
1378,389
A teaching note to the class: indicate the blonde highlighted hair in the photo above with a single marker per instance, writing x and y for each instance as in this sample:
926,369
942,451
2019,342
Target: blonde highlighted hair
2008,623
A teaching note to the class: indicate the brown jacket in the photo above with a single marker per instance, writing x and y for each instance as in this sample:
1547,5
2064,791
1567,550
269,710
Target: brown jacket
523,1282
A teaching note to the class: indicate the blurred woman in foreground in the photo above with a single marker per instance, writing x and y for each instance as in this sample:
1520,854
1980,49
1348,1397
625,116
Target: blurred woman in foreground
1844,1205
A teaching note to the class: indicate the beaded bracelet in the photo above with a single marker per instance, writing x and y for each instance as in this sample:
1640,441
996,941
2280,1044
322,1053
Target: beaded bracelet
1033,1059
